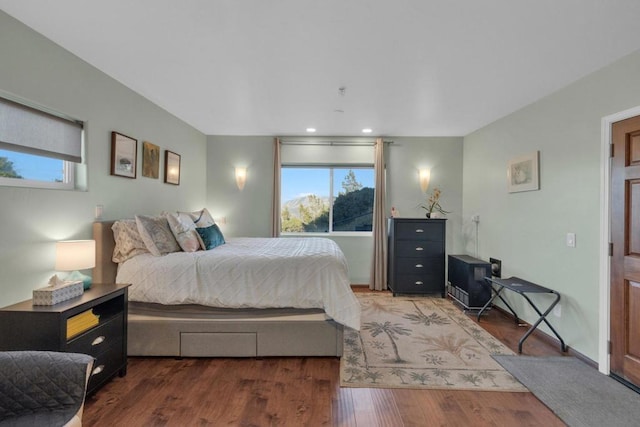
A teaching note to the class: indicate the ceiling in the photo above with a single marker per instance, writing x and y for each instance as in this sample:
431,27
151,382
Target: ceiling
408,67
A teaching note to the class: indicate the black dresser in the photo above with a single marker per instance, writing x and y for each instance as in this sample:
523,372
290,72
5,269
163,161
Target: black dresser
417,256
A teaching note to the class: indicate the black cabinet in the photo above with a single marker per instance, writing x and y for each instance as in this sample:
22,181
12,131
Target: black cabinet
416,256
466,281
24,326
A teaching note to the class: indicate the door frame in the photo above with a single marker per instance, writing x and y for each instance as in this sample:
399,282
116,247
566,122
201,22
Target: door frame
605,235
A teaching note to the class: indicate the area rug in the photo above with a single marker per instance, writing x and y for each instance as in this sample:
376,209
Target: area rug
421,343
576,392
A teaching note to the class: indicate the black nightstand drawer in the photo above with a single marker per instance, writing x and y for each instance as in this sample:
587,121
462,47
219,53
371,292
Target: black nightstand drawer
96,340
106,365
419,230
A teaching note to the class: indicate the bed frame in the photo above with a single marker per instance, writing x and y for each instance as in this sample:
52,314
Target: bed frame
196,331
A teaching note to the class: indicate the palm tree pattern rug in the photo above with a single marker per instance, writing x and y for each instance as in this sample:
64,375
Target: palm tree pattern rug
421,342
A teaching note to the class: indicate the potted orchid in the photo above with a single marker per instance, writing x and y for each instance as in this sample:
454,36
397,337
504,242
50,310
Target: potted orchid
433,207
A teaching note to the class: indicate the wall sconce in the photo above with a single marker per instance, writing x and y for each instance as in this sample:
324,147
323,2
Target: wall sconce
74,255
241,177
425,175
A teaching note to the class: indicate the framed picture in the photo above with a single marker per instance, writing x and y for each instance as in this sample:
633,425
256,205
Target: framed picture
150,160
171,167
523,173
124,155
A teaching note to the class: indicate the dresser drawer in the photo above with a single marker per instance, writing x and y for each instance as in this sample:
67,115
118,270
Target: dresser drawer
418,265
106,365
419,283
417,249
97,340
422,230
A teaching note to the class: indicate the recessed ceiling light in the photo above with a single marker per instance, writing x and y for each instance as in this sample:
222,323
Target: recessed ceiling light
311,130
366,130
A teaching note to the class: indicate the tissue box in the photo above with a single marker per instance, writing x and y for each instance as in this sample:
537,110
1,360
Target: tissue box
52,295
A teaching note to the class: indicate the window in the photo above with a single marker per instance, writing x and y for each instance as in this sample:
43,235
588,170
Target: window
37,148
321,199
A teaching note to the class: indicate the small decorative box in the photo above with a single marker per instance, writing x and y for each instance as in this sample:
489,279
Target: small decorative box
52,295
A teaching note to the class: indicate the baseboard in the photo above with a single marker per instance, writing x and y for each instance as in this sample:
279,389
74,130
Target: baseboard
551,340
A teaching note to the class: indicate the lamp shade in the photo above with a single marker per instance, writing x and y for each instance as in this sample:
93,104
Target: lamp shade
241,177
425,175
75,255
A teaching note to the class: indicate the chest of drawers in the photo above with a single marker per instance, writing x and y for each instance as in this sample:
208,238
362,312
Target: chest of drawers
417,256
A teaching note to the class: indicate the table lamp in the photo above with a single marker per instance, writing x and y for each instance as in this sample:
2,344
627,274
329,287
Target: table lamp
74,255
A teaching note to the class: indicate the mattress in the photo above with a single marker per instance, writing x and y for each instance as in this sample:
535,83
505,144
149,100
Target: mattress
249,273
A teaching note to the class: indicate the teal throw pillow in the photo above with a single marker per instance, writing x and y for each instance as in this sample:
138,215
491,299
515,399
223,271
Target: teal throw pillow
211,236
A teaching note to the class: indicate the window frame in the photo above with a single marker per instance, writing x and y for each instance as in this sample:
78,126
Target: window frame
331,168
69,168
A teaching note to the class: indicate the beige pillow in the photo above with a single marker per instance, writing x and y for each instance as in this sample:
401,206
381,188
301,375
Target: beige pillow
157,235
129,243
184,230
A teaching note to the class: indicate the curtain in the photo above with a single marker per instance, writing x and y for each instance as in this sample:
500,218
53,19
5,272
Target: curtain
275,204
378,279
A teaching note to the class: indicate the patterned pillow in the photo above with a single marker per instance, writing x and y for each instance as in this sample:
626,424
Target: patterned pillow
201,218
211,236
184,230
157,235
129,243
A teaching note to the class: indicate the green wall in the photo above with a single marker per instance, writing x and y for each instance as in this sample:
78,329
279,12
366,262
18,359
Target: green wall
248,212
527,230
31,220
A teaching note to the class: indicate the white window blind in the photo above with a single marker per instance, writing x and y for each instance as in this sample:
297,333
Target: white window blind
326,154
32,131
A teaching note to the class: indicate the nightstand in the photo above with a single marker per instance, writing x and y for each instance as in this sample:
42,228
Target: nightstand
24,326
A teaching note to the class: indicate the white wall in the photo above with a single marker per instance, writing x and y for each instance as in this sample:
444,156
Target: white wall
31,220
248,212
527,230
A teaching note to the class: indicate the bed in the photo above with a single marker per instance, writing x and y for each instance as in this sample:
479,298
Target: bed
174,324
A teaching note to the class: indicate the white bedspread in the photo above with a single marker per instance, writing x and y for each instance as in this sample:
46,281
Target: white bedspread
249,272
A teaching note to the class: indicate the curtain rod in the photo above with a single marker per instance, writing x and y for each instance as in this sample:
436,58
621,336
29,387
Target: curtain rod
332,143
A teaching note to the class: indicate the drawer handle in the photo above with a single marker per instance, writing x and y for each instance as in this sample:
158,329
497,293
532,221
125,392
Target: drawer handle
419,249
419,230
98,340
418,283
419,265
97,370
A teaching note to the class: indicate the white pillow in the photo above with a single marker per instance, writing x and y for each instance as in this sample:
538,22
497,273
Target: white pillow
201,218
129,243
157,235
184,230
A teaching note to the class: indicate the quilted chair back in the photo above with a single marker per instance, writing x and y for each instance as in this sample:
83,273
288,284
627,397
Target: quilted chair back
42,388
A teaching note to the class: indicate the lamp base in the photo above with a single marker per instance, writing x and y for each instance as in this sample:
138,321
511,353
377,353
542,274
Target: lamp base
76,275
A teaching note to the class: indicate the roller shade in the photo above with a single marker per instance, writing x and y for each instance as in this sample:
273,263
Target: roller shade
308,154
32,131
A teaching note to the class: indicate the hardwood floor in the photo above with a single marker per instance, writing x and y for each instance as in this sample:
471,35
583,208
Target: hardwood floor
303,391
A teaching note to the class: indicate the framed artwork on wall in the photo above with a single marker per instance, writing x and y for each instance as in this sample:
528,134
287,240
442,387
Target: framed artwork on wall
523,173
124,155
171,167
150,160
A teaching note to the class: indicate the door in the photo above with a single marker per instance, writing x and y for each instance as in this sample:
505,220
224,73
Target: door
625,260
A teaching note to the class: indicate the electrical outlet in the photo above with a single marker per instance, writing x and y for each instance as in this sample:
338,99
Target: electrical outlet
557,310
496,267
571,240
475,218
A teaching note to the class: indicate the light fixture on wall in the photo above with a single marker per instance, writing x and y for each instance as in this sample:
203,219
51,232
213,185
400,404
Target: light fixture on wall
241,177
425,175
74,255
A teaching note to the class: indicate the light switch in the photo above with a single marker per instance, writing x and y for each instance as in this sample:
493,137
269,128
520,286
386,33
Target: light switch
571,240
